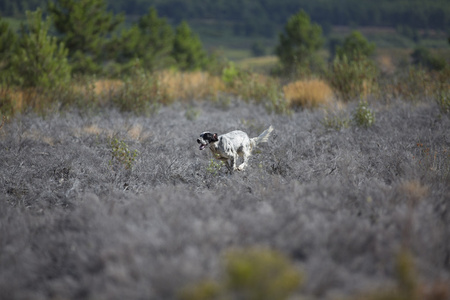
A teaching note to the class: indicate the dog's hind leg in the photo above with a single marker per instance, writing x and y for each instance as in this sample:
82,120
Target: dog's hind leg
245,156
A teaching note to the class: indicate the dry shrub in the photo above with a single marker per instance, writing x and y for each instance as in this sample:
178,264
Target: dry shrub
17,100
413,189
308,93
190,85
12,101
386,63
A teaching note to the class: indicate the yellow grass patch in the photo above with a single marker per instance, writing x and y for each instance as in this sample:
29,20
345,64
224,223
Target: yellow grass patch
137,132
37,135
92,130
107,86
308,93
189,85
16,100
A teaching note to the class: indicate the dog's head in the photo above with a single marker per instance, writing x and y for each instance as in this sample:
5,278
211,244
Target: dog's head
207,138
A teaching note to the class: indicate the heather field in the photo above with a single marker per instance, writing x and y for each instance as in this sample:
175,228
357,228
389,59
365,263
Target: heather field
112,204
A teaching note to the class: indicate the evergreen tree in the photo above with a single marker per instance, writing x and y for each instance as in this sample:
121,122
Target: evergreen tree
299,43
147,44
39,59
85,26
7,42
354,46
156,42
187,49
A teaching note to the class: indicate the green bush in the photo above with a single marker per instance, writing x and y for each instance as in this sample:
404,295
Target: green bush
336,121
214,166
423,57
121,153
354,46
353,78
230,74
363,116
141,93
250,274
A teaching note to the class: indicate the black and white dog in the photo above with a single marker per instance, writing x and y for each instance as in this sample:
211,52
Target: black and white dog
227,147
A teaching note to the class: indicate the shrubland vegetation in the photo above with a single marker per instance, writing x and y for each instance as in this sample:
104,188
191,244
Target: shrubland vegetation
104,193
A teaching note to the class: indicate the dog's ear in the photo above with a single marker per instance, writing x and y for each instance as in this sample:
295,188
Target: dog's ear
215,137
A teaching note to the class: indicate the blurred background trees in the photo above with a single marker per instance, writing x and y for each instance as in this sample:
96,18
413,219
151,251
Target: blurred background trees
98,40
299,43
39,59
84,27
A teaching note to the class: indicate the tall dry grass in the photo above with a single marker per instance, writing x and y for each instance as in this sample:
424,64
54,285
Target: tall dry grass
308,93
190,85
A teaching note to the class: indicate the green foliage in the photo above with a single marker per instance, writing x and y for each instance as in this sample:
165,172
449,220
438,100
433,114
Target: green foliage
230,74
355,46
406,276
258,274
354,78
205,290
141,94
363,116
155,43
250,274
39,60
299,43
442,93
85,27
214,166
407,285
7,43
336,121
121,153
187,49
192,114
423,57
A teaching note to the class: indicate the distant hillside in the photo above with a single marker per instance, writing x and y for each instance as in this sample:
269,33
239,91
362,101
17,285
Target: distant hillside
264,17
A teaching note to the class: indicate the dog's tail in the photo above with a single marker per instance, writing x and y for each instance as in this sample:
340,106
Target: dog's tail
262,138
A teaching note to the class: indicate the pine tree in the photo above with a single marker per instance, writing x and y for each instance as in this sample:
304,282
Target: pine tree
299,43
147,44
187,49
85,26
156,42
39,59
7,42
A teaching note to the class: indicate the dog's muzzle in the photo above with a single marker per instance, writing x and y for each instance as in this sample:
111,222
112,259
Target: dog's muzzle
202,144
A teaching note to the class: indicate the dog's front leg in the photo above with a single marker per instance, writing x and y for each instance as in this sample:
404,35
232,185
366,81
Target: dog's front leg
233,161
228,165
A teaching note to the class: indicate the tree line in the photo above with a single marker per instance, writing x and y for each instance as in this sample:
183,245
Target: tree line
265,17
83,37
